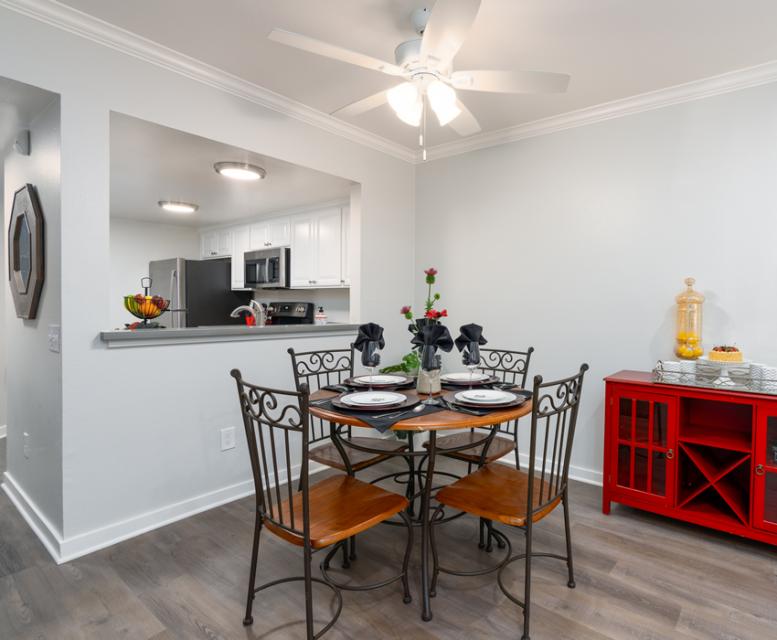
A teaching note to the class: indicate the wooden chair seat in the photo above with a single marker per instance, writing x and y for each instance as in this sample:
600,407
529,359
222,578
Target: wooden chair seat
340,507
498,447
327,454
496,492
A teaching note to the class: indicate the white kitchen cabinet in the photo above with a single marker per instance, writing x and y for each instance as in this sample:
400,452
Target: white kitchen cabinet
225,242
303,249
329,248
345,274
209,245
278,232
257,236
319,240
272,233
216,244
240,244
316,249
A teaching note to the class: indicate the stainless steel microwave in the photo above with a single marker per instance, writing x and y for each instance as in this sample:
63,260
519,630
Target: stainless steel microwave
268,268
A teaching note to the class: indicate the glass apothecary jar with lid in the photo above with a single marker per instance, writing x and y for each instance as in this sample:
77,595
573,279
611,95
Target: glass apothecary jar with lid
689,318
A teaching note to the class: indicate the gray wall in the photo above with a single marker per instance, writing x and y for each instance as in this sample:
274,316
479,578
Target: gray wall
140,445
3,262
578,241
34,380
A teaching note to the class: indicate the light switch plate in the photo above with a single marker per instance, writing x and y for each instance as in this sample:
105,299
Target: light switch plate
55,338
227,438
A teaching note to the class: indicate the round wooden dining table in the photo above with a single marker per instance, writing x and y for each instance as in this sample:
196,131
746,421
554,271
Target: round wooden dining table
431,423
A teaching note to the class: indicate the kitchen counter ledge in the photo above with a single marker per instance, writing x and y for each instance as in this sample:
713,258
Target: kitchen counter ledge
123,338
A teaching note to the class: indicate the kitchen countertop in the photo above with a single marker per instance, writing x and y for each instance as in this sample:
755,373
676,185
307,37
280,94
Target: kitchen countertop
226,333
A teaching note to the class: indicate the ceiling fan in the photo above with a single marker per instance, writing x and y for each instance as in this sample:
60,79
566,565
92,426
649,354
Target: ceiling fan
425,65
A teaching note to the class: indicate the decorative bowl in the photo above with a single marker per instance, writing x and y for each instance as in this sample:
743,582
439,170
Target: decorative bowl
146,307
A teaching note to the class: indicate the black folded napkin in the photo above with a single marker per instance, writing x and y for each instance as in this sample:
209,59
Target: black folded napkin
339,388
379,420
470,338
344,388
430,338
368,341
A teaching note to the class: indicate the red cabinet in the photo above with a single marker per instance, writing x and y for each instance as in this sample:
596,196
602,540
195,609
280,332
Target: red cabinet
702,455
765,489
643,456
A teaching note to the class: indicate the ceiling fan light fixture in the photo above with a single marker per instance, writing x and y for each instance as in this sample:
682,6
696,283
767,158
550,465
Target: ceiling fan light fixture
442,99
240,171
405,100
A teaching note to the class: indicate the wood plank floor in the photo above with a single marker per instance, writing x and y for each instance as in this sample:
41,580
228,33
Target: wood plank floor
638,576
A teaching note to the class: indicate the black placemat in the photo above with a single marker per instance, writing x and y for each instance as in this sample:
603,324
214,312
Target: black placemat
345,388
380,420
473,411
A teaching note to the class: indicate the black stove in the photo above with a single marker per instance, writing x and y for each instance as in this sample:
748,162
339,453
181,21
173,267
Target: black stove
290,313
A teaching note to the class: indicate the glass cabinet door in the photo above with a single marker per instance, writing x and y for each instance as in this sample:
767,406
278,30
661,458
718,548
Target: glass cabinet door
766,474
644,453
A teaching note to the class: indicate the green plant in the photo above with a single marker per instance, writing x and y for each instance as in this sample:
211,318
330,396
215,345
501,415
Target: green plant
410,363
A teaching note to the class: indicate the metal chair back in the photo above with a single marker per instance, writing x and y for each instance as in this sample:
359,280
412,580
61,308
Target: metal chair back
276,424
317,369
553,421
510,367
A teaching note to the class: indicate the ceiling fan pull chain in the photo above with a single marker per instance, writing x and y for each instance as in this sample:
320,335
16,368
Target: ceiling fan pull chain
422,134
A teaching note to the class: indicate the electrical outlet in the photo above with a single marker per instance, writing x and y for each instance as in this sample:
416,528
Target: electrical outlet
227,438
55,338
26,444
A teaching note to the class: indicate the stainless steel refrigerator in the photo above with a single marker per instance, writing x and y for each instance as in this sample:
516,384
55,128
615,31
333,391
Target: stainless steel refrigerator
200,292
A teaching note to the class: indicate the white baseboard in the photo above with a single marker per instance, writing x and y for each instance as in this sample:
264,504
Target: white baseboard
49,535
581,474
3,431
67,549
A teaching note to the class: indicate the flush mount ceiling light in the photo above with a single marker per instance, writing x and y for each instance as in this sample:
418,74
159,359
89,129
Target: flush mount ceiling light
174,206
426,66
240,171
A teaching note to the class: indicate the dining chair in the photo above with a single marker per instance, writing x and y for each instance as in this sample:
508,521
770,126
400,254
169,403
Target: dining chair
320,515
509,367
501,494
318,369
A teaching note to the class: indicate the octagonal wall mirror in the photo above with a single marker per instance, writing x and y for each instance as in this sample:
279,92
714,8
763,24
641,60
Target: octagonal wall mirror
26,252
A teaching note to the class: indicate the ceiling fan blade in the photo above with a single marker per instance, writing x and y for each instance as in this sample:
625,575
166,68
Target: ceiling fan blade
362,106
446,30
465,123
510,81
321,48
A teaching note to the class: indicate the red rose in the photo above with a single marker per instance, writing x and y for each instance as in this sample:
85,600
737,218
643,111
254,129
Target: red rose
443,313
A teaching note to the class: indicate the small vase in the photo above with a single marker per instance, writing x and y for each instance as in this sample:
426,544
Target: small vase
428,381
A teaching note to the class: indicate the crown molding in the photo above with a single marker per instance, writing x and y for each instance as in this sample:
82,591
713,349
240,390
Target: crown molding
68,19
74,21
712,86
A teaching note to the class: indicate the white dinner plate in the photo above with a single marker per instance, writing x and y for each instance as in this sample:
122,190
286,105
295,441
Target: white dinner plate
485,396
380,379
372,398
464,376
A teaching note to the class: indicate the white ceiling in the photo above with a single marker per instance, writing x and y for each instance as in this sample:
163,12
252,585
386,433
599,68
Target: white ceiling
19,105
150,162
612,48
